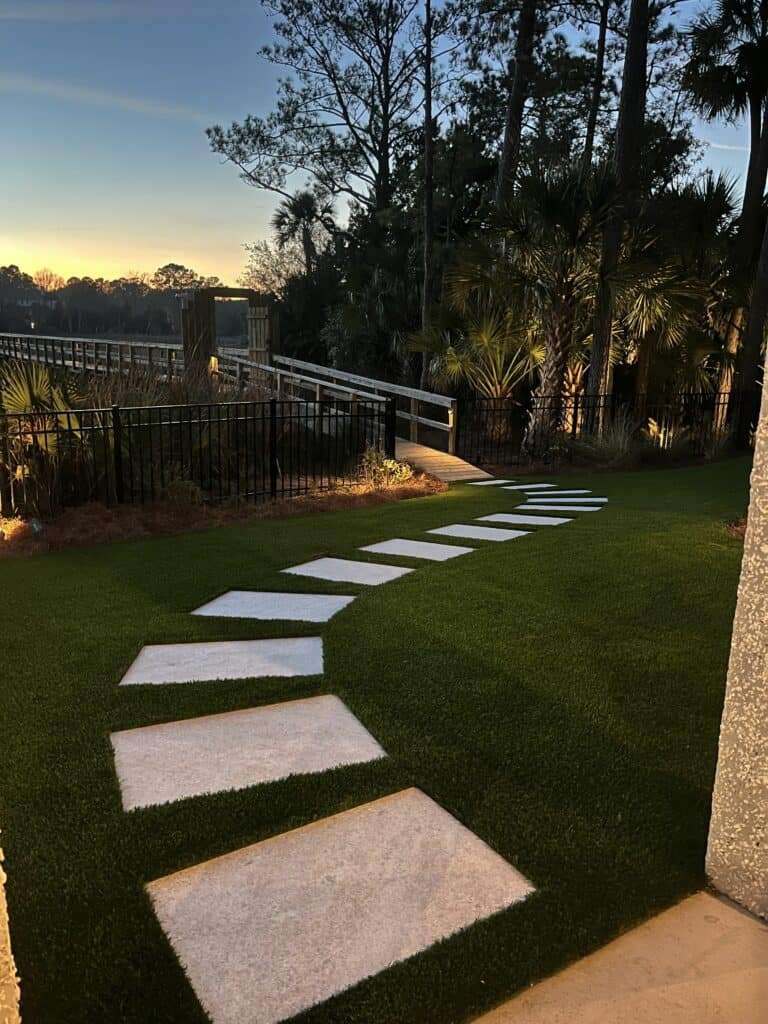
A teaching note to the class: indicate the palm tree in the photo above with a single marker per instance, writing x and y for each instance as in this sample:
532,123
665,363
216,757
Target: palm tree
298,217
727,77
673,308
546,276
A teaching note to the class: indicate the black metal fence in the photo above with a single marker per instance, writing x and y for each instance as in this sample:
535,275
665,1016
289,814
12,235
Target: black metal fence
250,451
550,428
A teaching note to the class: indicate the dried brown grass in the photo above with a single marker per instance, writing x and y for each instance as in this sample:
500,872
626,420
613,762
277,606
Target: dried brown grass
98,524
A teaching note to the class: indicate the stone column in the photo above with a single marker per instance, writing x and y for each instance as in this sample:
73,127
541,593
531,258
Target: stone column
9,981
737,855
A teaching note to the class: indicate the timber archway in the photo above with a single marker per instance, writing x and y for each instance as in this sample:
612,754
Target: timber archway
198,324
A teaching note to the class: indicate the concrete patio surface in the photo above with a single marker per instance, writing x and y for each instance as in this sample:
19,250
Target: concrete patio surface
704,961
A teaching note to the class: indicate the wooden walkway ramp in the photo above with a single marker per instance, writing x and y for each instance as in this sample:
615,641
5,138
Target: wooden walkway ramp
440,464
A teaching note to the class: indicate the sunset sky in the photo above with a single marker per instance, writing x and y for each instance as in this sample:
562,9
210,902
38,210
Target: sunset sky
103,156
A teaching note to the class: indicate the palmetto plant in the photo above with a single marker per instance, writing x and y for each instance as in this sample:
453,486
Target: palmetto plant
486,348
38,429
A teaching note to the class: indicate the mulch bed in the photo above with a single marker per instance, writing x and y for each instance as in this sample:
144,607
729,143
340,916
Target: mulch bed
98,524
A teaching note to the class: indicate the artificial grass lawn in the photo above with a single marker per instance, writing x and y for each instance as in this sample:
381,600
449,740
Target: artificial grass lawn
559,693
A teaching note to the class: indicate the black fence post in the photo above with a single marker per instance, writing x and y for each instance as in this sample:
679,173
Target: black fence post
390,426
273,447
117,454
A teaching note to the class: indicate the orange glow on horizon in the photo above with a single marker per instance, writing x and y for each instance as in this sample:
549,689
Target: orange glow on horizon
95,260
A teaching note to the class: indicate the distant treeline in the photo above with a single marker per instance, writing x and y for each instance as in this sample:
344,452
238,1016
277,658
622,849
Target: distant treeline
138,305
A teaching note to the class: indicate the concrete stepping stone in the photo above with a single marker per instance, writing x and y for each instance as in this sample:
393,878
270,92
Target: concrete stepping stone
553,499
477,532
528,487
560,508
490,483
176,760
418,549
227,659
343,570
537,493
272,929
264,605
516,520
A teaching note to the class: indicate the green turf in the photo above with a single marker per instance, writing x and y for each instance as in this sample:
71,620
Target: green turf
560,694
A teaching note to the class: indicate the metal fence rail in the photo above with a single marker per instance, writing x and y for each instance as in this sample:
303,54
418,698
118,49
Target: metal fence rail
550,428
236,450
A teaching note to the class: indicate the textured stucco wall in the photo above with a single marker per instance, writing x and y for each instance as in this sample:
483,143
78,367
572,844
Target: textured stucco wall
737,857
9,986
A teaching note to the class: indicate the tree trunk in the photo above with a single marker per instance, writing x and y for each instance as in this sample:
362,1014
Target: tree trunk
597,87
429,187
747,236
627,153
516,97
741,260
547,410
753,340
643,376
308,246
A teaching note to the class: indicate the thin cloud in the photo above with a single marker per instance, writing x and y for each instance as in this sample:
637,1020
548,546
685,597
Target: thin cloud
30,86
723,145
61,12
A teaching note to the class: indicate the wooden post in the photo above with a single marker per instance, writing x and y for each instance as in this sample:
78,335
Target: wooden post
452,421
414,426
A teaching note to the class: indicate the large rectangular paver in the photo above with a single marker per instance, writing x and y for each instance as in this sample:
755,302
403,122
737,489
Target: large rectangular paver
276,927
226,659
236,749
490,483
560,508
536,492
344,570
473,532
417,549
262,604
554,499
527,487
516,520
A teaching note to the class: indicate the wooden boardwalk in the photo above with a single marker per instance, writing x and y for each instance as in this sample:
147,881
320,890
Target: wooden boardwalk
440,464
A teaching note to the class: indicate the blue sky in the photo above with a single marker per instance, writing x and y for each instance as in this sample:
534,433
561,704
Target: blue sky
104,160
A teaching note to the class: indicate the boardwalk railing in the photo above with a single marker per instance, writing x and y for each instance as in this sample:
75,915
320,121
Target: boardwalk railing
410,401
92,355
236,450
99,355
